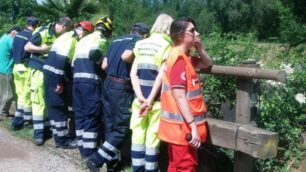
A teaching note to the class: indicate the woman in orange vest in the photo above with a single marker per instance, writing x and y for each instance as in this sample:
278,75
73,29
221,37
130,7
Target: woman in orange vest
182,121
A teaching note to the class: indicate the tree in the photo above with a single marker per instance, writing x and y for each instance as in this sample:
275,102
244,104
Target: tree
75,9
14,12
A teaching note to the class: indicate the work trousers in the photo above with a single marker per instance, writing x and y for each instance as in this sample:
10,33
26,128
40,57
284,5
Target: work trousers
145,142
87,105
22,75
117,100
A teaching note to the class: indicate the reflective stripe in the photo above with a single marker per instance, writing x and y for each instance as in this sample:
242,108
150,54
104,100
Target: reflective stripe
179,118
151,151
18,114
138,147
58,124
194,93
86,75
54,131
110,147
80,142
79,132
172,116
90,135
38,126
22,37
27,117
165,87
138,161
151,165
189,94
90,145
81,56
104,154
38,118
148,66
149,83
62,133
53,70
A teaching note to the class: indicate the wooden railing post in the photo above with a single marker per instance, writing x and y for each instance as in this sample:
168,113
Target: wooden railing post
244,162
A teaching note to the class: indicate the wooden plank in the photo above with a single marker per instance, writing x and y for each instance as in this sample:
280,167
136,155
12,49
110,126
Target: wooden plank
222,133
247,72
248,139
257,142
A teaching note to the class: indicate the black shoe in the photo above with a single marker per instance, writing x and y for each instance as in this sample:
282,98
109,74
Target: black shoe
71,144
92,166
17,127
113,166
39,141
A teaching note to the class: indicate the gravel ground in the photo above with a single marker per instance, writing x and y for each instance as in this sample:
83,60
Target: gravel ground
19,155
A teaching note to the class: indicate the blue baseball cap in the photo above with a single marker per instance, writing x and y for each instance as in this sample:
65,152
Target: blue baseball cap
141,27
33,21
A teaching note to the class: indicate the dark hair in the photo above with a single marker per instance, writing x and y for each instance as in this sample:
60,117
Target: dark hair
104,30
178,27
66,21
14,28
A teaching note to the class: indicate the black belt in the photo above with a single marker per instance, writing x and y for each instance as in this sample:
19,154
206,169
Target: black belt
119,80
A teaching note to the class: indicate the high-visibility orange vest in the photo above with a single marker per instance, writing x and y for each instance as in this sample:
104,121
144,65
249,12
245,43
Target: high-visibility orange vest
173,128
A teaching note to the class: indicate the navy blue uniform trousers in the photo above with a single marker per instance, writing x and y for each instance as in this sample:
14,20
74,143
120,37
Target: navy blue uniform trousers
117,101
57,107
87,104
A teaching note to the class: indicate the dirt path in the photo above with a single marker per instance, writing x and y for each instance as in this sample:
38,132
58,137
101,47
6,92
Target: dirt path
19,155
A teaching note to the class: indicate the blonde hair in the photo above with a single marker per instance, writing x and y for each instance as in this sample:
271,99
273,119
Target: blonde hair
162,24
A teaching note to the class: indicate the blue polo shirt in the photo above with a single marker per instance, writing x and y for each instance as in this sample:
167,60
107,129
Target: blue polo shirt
18,53
6,60
116,67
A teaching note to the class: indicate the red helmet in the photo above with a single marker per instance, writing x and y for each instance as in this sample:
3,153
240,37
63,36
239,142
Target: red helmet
86,25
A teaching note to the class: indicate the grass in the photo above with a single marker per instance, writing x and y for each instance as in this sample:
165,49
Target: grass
24,133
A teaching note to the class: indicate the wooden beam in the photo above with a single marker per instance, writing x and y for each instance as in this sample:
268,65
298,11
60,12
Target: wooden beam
244,162
246,72
248,139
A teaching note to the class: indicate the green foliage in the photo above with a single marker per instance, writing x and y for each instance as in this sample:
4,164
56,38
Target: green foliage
14,13
226,49
282,113
279,110
75,9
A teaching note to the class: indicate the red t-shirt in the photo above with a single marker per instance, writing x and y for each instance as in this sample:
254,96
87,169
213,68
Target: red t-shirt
178,73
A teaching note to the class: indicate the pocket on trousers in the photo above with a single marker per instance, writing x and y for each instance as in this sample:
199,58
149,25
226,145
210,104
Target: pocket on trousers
123,117
53,99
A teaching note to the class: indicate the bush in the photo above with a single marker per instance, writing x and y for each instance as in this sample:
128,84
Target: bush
279,110
283,110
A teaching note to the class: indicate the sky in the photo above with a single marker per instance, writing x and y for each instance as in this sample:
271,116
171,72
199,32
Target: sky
39,1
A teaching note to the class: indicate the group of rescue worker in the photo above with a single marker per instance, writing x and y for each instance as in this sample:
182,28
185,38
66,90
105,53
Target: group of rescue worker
144,81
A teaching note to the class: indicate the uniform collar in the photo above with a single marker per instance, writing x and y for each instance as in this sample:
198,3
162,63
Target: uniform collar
27,30
75,35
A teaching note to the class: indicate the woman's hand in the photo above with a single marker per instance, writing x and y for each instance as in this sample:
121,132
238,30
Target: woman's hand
197,42
141,99
144,109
